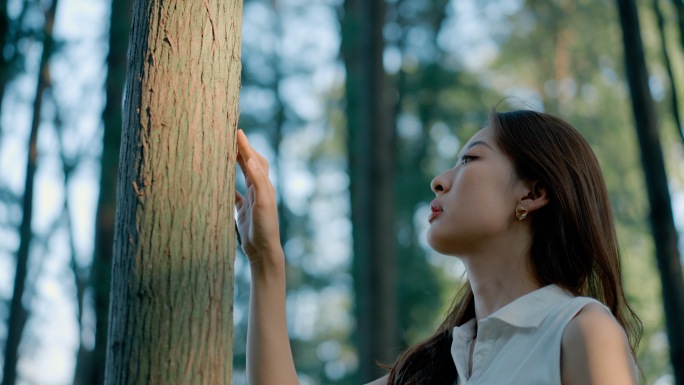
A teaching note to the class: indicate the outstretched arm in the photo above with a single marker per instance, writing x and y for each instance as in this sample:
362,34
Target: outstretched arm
269,357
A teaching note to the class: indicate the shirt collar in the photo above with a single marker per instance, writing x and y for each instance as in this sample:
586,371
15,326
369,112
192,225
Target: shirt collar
531,309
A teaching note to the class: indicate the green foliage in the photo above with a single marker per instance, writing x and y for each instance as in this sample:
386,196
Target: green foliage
450,62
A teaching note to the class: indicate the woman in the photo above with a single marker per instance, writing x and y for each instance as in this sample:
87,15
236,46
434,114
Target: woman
526,210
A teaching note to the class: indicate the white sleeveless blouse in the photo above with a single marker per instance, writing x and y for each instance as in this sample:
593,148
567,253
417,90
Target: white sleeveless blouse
520,343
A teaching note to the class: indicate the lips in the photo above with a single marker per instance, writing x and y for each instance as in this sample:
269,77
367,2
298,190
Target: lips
436,209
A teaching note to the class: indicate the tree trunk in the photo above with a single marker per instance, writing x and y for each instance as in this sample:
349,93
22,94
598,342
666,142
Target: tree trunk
11,56
172,276
90,364
674,100
679,6
4,62
371,167
18,313
662,222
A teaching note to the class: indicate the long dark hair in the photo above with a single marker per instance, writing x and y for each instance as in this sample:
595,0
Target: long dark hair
574,243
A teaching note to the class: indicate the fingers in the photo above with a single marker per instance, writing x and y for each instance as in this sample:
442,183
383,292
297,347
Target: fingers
255,169
243,147
258,175
246,152
239,200
241,162
257,179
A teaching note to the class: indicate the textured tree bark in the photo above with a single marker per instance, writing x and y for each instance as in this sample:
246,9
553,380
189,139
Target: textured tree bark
172,277
665,234
371,163
18,313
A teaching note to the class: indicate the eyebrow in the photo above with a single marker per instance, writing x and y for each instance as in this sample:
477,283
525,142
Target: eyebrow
475,143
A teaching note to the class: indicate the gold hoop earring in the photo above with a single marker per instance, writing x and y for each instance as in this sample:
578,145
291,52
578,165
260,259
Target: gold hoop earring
520,213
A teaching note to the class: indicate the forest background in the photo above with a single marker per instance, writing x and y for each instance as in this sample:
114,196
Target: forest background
446,64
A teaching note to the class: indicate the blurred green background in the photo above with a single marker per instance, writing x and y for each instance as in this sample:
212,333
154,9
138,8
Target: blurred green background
446,63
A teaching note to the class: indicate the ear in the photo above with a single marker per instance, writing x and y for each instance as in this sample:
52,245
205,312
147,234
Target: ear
535,197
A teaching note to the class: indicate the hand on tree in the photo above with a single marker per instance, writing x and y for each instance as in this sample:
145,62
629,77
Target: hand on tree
257,212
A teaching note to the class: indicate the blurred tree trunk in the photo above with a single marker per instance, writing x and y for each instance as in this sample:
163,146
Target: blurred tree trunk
8,48
674,100
10,35
172,276
371,167
4,61
279,120
18,313
90,364
679,6
418,286
9,52
662,222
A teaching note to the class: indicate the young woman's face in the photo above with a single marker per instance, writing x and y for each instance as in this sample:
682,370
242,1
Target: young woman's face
476,199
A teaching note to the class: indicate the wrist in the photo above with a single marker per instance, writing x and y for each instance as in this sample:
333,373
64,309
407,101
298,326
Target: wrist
267,263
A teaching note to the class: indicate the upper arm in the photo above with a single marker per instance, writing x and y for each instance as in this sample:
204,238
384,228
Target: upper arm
595,350
379,381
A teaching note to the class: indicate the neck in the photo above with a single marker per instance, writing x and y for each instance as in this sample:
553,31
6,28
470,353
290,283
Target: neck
498,277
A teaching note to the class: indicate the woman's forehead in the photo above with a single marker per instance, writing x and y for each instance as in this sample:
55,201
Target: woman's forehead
483,135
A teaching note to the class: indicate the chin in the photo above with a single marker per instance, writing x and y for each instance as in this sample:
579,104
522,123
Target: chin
441,244
452,243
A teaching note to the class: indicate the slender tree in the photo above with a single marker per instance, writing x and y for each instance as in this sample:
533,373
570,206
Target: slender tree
279,118
5,59
172,284
68,165
4,62
11,33
662,222
679,6
674,100
371,163
90,364
18,313
419,285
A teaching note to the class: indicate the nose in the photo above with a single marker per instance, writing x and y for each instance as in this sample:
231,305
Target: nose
439,184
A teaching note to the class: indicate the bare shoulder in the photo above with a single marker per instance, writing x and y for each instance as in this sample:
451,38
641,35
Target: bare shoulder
379,381
595,350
